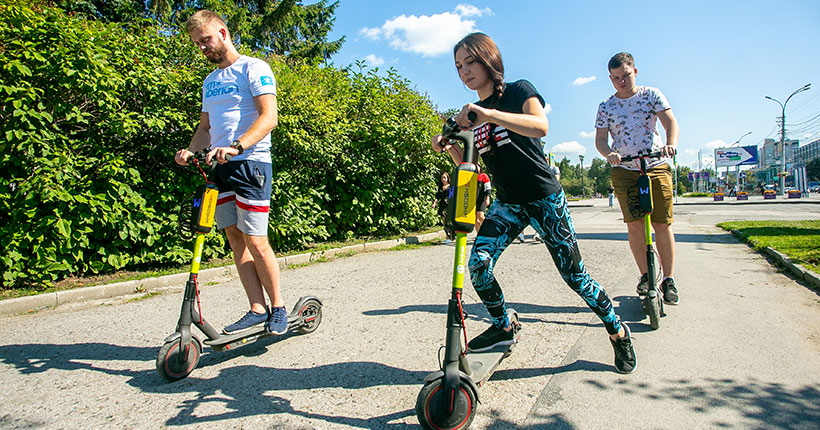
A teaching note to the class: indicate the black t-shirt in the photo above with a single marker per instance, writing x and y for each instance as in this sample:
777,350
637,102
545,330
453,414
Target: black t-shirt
519,170
443,198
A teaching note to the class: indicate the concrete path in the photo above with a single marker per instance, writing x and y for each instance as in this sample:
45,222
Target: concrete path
742,351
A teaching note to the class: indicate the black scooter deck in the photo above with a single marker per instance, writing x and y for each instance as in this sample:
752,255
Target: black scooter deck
483,364
248,336
226,342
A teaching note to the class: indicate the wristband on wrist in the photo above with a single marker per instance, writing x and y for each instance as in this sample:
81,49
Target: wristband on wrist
237,145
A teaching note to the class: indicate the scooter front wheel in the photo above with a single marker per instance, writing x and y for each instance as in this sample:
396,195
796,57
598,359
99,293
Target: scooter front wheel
654,307
171,365
435,414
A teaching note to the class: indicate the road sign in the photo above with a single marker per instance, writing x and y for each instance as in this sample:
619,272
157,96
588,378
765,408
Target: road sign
738,156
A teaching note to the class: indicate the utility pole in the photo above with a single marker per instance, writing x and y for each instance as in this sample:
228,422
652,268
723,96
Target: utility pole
583,190
783,135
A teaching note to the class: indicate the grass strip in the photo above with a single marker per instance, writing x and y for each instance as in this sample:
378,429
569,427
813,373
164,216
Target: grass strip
800,240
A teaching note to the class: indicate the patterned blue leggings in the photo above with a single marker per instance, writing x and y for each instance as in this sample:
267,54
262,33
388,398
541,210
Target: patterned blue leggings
551,219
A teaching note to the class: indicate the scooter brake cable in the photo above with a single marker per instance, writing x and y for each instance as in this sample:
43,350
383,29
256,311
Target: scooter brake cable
463,325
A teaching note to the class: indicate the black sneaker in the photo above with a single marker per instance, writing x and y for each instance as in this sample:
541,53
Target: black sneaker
643,285
670,293
491,338
250,319
625,359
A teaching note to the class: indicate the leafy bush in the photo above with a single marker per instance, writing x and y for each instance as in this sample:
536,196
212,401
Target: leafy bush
91,114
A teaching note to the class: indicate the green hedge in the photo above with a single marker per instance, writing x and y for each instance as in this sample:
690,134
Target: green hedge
92,113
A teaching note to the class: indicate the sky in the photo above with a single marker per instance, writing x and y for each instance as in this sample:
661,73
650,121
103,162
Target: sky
715,61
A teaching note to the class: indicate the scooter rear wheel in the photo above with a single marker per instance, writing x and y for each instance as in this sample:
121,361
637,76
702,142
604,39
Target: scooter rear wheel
433,414
311,314
169,365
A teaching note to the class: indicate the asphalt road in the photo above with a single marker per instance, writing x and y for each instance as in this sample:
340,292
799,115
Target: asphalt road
742,351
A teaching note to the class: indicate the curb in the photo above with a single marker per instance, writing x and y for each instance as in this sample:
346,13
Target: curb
30,304
797,270
742,202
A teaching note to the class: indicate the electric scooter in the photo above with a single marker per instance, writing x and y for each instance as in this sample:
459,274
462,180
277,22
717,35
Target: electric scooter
180,353
653,300
449,397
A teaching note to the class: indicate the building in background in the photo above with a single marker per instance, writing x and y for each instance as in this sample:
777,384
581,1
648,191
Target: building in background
771,152
769,155
806,153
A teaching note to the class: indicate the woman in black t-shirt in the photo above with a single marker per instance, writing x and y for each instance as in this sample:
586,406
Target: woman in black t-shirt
509,122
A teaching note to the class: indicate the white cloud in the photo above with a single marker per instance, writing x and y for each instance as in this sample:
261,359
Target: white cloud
587,134
547,107
370,33
429,36
569,150
374,61
470,10
720,143
583,80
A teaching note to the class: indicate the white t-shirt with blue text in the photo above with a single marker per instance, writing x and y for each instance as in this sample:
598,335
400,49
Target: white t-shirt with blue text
227,98
632,124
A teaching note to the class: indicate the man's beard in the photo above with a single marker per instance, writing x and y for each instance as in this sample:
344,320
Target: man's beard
218,54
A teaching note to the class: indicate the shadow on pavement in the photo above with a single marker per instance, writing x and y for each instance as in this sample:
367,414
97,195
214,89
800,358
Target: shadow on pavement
679,237
630,309
767,404
589,366
241,389
477,310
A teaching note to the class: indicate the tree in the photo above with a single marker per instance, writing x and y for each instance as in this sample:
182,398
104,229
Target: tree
283,27
104,10
813,170
599,173
93,112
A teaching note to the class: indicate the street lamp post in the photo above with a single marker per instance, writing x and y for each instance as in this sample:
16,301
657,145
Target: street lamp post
737,166
583,190
783,134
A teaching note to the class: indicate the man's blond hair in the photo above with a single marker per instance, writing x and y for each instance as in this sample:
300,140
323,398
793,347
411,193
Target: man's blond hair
202,18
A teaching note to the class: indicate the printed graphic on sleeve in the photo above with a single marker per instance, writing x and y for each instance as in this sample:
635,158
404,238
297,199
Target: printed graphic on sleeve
266,80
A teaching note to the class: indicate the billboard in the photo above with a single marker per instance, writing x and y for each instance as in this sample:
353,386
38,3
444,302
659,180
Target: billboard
738,156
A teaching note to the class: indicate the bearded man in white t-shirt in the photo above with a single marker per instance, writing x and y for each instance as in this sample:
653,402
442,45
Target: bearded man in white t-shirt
238,113
630,117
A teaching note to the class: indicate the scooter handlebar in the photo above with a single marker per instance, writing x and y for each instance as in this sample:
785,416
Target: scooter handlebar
656,154
201,155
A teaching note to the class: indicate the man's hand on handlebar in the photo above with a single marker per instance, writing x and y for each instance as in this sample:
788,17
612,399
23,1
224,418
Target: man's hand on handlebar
221,154
613,158
182,157
668,151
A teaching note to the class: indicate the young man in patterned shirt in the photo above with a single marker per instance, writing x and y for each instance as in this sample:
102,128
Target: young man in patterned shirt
630,117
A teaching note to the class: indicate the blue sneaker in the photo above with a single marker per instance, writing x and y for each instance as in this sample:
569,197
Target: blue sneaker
250,319
277,321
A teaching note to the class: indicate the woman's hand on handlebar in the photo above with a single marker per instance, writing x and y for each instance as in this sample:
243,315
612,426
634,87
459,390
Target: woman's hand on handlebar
470,115
439,144
668,151
182,157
